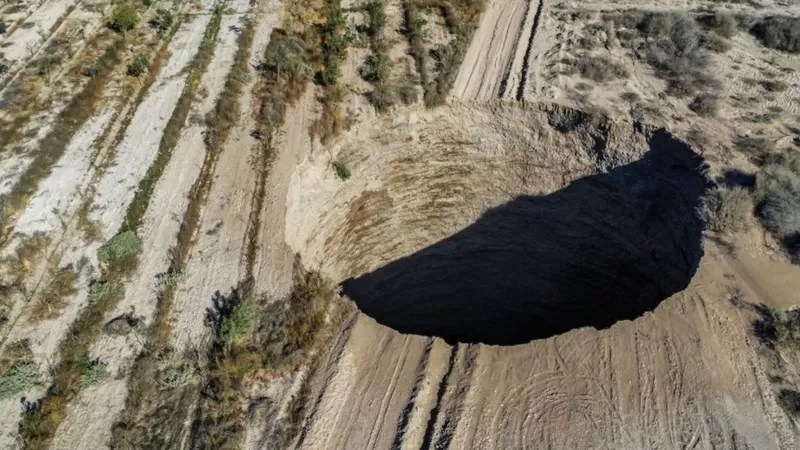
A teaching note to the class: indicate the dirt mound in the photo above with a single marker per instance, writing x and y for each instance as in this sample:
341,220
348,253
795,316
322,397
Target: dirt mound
579,222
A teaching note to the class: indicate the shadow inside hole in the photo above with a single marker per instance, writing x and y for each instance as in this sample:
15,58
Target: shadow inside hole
605,248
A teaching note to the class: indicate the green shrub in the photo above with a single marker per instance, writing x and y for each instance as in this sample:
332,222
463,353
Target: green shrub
92,70
138,66
21,376
124,18
93,371
727,210
341,170
237,327
163,20
120,254
106,292
148,3
377,17
779,33
376,68
3,27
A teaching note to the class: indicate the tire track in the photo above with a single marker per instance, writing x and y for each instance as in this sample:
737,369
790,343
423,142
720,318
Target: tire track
405,416
528,50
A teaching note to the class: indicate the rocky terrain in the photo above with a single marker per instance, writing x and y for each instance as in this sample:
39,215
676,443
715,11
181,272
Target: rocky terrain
399,224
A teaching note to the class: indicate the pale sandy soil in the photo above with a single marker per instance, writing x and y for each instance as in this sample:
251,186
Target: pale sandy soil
217,261
45,336
159,230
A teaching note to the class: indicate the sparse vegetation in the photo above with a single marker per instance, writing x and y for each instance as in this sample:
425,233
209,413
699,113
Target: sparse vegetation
724,24
55,295
106,292
774,85
789,399
674,45
779,33
601,69
777,327
163,20
756,148
727,210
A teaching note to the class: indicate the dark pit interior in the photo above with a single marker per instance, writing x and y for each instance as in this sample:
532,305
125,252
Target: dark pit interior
605,248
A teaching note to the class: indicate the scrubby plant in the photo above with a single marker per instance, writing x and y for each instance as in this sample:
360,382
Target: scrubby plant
705,104
174,370
3,27
54,297
756,148
376,68
600,68
375,10
724,24
92,70
138,66
778,193
93,371
789,399
124,18
163,20
775,85
106,292
286,57
120,254
779,33
341,170
727,210
777,326
21,376
148,3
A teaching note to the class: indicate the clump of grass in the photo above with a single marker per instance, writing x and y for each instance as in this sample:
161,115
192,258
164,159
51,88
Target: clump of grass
21,376
779,33
120,254
55,295
727,210
237,327
93,370
341,170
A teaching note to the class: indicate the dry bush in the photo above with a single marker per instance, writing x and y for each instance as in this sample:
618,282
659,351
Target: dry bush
727,210
724,24
779,33
601,69
706,105
775,85
332,120
755,148
55,295
778,191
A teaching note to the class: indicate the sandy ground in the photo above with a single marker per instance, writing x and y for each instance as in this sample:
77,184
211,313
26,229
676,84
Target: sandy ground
45,335
216,261
159,230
